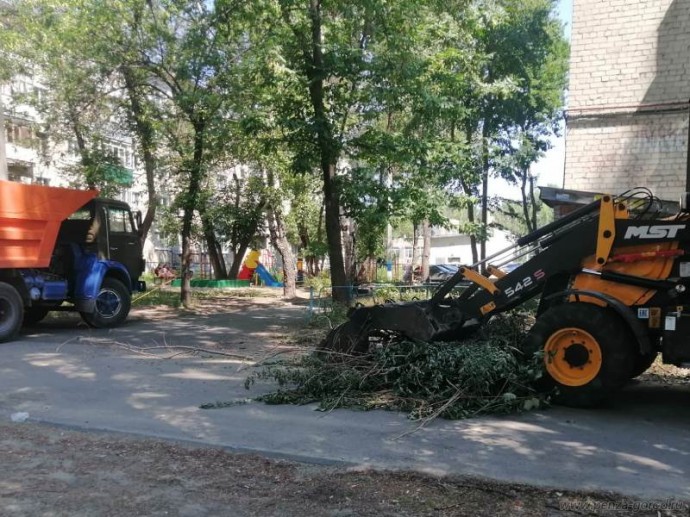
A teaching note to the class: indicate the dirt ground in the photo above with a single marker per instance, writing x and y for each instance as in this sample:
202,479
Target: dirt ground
56,471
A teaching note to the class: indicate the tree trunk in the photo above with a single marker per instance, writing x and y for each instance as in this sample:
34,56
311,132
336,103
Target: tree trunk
414,252
535,207
333,235
328,149
485,191
237,259
191,202
186,288
279,240
525,201
468,192
215,254
81,142
529,201
348,227
470,219
145,133
276,229
318,260
426,249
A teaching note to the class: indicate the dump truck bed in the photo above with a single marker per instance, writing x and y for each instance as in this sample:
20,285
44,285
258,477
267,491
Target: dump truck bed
30,217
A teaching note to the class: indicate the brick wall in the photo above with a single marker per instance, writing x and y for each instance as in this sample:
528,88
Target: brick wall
628,100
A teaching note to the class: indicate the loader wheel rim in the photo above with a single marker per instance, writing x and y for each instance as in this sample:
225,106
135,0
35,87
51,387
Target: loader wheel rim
572,356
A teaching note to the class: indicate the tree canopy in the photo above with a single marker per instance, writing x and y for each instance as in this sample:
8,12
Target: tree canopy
348,116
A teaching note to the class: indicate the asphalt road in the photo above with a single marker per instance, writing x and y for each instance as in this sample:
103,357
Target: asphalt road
65,374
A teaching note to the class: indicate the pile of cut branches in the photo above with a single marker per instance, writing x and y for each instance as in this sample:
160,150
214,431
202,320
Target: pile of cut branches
484,374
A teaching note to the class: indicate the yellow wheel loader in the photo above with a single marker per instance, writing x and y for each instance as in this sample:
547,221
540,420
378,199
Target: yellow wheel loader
612,282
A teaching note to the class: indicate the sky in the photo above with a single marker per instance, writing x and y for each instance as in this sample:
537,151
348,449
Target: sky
549,169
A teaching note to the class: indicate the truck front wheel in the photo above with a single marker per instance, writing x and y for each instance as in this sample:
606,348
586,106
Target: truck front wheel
588,352
112,305
11,312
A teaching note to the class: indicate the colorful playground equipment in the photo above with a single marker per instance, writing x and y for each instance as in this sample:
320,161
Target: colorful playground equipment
252,265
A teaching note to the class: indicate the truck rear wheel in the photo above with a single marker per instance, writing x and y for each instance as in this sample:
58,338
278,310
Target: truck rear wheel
11,312
112,305
588,352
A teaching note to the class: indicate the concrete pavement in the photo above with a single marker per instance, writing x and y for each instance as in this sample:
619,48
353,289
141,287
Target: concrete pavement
640,446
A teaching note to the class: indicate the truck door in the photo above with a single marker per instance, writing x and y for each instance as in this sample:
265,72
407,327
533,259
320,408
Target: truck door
123,241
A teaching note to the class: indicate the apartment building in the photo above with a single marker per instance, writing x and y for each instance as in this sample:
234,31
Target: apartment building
30,155
629,97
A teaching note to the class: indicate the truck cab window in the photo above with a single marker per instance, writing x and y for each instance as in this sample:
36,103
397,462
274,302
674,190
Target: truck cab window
120,220
83,214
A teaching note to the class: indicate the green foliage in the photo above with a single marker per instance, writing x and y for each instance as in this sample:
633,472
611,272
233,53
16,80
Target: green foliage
318,282
171,296
371,229
485,374
238,210
102,170
156,297
508,216
395,111
382,294
331,314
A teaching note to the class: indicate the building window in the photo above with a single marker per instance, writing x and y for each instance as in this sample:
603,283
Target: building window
19,87
20,172
121,152
39,94
20,134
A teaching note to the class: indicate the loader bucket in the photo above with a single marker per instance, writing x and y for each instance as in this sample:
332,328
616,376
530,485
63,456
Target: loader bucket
418,321
30,217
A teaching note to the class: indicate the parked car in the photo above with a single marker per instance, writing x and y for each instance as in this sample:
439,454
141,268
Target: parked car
439,273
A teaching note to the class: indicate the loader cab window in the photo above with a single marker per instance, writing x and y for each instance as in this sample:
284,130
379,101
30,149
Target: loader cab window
120,220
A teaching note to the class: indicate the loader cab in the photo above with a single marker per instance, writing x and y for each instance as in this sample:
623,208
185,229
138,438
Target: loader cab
107,228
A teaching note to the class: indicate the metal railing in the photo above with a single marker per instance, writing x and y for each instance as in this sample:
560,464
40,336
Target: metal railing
371,294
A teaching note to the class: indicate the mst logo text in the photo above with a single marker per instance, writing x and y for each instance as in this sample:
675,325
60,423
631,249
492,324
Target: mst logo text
666,231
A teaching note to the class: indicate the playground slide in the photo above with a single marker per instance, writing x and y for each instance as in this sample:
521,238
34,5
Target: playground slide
267,277
245,273
249,265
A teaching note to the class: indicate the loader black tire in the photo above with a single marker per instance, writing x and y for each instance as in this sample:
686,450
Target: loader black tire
113,303
588,353
11,312
642,363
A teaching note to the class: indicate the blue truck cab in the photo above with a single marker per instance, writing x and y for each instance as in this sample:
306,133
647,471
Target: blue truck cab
94,269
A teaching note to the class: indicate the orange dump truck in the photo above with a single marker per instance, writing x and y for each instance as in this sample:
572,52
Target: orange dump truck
65,249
